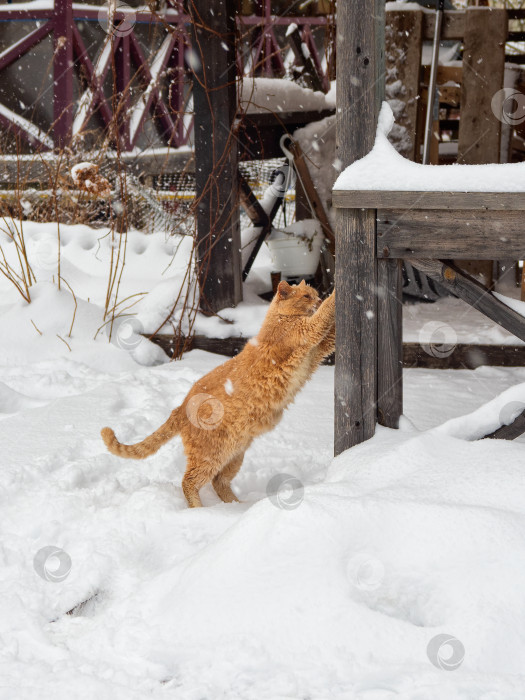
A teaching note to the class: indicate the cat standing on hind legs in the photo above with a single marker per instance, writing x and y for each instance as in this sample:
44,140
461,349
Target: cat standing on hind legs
246,396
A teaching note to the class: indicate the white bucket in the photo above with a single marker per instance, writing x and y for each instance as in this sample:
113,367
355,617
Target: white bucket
296,249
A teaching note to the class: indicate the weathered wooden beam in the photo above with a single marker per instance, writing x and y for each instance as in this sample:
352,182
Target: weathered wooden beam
360,56
397,199
483,67
214,99
438,233
464,356
474,293
445,74
389,342
260,133
251,205
453,25
415,355
479,139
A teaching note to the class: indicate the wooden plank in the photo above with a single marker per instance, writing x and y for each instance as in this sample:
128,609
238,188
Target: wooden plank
474,293
288,119
390,199
214,99
509,432
479,139
518,59
445,74
403,41
465,356
251,205
453,25
360,48
483,67
259,134
437,233
415,356
389,343
356,324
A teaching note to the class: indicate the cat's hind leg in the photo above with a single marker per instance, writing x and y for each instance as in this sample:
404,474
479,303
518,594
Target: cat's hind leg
222,481
198,473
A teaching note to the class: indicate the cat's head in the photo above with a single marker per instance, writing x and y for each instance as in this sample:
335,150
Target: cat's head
296,300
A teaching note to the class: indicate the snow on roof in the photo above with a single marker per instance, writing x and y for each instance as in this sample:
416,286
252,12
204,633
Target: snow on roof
280,95
399,5
385,169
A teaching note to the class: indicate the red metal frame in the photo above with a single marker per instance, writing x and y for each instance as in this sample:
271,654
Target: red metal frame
71,54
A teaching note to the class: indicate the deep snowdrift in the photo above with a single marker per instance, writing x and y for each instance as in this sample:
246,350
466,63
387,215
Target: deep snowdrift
411,535
340,588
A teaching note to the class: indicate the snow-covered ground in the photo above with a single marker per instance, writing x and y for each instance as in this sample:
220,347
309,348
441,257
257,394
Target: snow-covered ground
396,570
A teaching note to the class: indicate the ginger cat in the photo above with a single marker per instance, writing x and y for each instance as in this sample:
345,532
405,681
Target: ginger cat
246,396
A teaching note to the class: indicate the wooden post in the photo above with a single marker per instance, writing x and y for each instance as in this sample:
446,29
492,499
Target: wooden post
214,100
483,68
483,75
360,67
389,342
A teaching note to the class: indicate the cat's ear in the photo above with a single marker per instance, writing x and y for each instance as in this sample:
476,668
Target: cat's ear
302,284
283,290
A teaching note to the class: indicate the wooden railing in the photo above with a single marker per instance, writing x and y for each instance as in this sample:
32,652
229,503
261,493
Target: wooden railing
164,76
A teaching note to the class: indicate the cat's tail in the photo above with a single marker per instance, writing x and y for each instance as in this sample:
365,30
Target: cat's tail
149,445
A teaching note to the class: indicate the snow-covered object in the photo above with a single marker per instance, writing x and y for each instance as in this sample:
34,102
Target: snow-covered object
384,169
404,6
295,249
456,322
279,95
317,140
155,266
86,177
